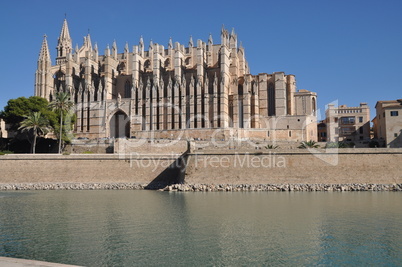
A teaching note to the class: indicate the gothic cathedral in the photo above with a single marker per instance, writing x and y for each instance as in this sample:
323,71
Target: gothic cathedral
201,91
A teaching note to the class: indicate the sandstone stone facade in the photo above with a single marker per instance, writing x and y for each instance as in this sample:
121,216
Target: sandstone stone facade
165,92
348,123
388,123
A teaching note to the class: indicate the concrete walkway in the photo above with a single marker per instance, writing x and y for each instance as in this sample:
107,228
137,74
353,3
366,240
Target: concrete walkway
13,262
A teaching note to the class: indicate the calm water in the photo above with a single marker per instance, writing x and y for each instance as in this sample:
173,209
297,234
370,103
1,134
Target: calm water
130,228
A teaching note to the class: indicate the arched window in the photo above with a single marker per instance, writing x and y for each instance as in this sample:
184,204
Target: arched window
188,61
147,65
59,80
167,63
127,89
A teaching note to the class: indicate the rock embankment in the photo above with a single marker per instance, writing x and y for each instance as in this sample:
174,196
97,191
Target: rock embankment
72,186
282,187
203,187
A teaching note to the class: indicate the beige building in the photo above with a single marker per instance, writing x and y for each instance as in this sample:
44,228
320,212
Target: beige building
202,90
3,132
350,124
388,123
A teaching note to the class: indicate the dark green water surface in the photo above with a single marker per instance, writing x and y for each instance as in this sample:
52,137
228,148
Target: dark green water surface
149,228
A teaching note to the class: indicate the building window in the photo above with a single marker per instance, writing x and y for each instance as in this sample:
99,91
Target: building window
360,119
347,130
361,130
127,90
290,133
271,100
348,120
395,134
394,113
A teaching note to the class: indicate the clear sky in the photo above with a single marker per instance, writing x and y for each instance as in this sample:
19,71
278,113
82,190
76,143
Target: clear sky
345,50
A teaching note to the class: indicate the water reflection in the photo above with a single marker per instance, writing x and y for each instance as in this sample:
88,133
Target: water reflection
125,228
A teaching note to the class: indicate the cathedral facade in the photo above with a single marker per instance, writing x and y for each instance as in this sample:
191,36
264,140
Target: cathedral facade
201,91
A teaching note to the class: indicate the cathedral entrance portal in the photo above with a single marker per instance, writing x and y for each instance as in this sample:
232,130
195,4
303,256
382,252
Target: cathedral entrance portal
119,125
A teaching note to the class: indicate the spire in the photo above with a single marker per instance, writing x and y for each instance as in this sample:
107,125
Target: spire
141,46
224,36
126,48
44,54
64,43
88,42
114,50
65,33
107,51
210,41
233,39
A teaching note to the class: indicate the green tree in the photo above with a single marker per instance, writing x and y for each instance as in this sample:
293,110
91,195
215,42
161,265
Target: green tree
37,124
62,105
17,109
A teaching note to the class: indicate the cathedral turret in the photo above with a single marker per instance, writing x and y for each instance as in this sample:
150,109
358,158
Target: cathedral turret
64,44
43,75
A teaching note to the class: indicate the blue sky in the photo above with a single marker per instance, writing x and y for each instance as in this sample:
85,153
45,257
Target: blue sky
345,50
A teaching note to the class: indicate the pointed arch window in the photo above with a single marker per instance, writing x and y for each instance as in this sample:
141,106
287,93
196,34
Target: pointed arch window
59,81
314,105
127,89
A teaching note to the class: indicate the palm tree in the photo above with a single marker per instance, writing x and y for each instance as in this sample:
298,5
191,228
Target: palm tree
61,104
37,123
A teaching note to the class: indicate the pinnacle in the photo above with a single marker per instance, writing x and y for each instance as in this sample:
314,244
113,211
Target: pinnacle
44,54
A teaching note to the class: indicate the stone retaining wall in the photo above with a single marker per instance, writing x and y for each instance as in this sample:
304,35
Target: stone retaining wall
17,169
214,167
375,166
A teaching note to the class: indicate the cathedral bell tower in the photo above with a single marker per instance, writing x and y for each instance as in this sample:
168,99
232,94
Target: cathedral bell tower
64,44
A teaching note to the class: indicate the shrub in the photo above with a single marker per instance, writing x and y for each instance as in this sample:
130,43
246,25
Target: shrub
4,152
373,144
337,145
308,144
